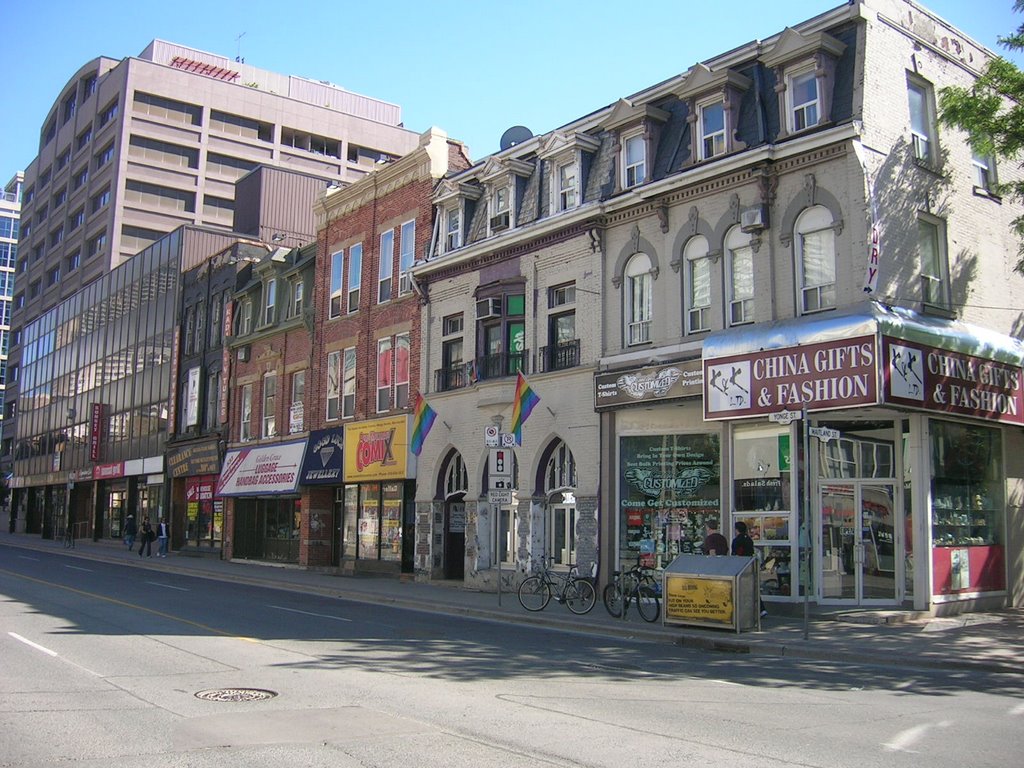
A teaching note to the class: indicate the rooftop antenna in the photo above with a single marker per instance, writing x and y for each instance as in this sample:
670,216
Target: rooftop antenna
238,49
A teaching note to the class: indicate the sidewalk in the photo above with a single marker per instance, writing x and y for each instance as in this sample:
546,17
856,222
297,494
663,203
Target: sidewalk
991,642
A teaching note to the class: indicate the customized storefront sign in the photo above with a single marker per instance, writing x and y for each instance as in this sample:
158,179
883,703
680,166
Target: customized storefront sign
663,382
921,376
377,450
324,458
271,469
833,374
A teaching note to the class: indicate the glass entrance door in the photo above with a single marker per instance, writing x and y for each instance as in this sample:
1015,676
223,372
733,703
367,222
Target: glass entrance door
858,542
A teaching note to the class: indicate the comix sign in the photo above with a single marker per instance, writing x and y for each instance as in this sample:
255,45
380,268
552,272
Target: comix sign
821,376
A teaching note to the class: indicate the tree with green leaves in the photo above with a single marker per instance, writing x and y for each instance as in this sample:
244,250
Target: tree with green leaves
991,113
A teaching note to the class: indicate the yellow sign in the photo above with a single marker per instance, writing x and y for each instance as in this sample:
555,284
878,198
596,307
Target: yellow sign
377,450
699,599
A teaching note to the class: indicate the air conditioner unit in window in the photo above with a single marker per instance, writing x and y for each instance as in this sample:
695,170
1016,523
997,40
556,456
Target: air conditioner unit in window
243,354
499,222
487,308
754,219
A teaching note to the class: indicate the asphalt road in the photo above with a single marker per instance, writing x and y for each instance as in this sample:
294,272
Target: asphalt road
100,664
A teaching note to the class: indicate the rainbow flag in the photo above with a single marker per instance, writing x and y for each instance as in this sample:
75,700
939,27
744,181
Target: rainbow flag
422,421
522,406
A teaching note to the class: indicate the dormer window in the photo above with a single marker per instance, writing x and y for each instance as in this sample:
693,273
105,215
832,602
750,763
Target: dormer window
804,87
499,209
712,129
805,69
567,186
634,161
713,99
453,229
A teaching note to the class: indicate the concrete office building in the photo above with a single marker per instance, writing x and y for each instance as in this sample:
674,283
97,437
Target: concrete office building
134,149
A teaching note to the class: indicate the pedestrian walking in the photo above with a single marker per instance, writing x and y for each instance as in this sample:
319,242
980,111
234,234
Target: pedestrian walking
130,532
162,532
146,537
743,546
714,543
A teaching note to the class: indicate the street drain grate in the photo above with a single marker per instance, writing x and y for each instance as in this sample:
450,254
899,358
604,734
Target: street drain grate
236,694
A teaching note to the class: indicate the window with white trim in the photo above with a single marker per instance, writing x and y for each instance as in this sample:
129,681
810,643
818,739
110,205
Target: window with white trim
245,413
740,271
406,256
453,229
802,92
984,170
386,266
634,160
815,242
638,298
298,296
296,411
245,318
348,384
567,186
270,300
712,128
355,275
698,284
934,261
337,283
922,120
385,373
402,370
332,395
270,404
559,487
500,218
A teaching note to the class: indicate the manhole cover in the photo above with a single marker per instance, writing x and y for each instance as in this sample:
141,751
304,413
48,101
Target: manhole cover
236,694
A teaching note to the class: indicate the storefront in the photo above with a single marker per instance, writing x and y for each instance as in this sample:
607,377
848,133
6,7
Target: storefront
322,488
378,510
909,420
264,511
126,487
667,463
197,513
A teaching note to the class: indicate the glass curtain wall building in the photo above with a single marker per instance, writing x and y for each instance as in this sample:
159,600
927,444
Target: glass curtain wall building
95,384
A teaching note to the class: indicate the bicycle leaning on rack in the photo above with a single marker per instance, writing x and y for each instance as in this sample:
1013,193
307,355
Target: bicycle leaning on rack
535,592
638,585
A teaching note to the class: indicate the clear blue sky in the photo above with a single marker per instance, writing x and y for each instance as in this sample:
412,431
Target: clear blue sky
470,67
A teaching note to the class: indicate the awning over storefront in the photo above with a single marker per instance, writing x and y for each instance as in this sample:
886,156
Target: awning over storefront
865,355
264,470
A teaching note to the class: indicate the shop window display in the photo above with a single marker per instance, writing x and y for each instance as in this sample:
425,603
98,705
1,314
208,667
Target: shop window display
967,509
669,487
761,499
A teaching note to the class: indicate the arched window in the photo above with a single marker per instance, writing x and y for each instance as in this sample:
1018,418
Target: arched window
815,243
559,488
456,479
739,257
698,284
638,299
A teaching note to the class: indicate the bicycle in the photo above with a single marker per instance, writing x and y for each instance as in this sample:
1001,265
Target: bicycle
639,585
578,594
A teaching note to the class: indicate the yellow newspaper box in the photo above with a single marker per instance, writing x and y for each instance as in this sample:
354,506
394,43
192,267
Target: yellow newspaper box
705,591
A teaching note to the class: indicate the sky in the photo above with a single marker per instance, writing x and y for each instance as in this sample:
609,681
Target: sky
470,67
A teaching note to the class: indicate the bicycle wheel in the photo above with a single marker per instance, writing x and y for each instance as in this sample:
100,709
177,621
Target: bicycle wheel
647,603
534,593
612,598
580,596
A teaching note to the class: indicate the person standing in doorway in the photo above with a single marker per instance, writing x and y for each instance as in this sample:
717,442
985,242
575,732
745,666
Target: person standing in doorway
146,537
162,533
743,546
714,542
130,532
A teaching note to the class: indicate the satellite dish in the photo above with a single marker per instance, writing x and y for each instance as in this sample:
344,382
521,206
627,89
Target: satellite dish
517,134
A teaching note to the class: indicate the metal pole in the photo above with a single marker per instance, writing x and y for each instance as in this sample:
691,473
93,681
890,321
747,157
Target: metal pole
805,545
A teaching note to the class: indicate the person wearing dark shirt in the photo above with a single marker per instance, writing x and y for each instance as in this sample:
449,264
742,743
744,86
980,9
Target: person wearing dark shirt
714,543
743,546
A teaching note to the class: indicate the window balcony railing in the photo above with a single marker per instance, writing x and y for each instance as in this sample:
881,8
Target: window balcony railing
558,357
502,364
453,377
